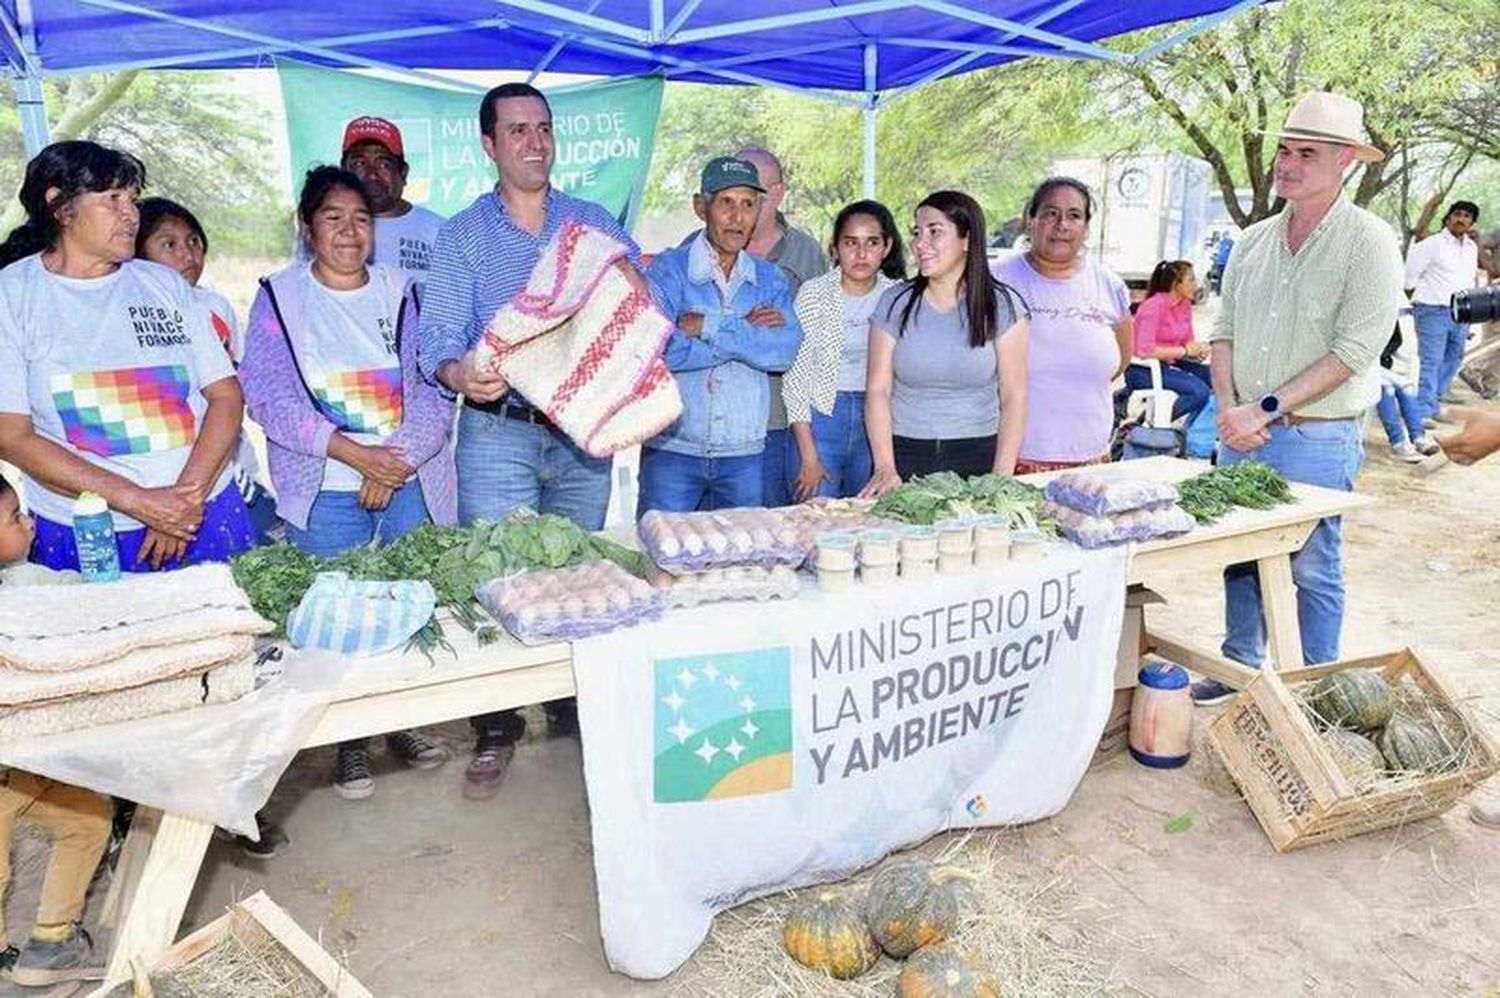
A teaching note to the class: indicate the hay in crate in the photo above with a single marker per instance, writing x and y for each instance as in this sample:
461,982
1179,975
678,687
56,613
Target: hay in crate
1292,781
245,962
1007,919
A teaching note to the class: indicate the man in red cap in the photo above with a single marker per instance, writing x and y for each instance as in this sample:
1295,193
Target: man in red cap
404,232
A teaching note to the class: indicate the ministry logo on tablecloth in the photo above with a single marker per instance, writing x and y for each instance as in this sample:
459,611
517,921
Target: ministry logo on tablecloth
723,725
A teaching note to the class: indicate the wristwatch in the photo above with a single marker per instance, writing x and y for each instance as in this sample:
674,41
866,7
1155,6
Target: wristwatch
1270,405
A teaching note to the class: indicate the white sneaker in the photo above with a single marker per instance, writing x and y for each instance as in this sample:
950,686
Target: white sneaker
1404,451
1425,445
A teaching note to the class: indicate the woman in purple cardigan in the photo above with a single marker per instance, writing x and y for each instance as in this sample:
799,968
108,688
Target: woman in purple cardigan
356,439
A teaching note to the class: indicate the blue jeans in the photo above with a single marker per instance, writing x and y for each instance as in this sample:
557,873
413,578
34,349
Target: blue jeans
777,472
1400,413
1440,351
681,483
1188,378
337,522
842,446
1326,453
504,464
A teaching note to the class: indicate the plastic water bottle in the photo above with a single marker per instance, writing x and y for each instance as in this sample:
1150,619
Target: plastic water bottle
94,536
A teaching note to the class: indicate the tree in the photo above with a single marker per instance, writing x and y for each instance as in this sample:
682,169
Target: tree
1225,90
203,145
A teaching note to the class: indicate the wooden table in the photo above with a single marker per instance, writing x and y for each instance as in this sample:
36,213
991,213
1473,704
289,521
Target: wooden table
162,854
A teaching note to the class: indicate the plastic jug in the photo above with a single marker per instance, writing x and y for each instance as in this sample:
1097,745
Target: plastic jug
1161,717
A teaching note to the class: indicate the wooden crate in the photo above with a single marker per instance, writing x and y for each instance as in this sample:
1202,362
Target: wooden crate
1116,737
271,917
1290,780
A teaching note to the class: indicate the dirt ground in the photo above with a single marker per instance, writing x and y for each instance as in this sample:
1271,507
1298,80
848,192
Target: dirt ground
427,894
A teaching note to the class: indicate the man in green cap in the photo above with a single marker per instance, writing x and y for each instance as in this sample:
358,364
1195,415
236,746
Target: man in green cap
735,327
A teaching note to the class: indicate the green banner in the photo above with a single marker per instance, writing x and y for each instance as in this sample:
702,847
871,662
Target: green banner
604,134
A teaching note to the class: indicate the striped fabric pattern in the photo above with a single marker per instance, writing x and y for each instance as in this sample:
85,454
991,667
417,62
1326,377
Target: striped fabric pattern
360,618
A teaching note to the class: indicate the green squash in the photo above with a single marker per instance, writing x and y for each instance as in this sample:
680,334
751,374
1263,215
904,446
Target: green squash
825,932
911,905
1358,758
942,970
1414,746
1356,698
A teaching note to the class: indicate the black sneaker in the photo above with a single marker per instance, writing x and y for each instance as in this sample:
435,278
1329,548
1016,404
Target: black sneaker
1211,693
273,841
7,961
352,779
562,718
415,750
72,959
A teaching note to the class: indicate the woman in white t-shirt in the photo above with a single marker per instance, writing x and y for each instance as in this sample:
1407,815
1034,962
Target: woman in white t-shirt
111,379
172,236
356,438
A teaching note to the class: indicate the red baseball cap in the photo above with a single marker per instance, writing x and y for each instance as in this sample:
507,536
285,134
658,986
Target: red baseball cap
370,129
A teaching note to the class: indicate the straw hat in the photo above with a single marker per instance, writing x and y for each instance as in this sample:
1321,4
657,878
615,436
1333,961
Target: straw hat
1326,117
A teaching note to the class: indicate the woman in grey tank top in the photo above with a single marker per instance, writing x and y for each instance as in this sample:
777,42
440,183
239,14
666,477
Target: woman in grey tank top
947,376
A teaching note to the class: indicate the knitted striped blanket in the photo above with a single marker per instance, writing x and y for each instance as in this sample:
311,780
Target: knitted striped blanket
584,345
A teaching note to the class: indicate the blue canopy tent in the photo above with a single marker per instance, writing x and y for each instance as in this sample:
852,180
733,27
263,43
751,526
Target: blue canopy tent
864,53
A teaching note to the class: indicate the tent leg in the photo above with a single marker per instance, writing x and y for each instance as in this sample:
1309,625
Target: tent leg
31,105
870,116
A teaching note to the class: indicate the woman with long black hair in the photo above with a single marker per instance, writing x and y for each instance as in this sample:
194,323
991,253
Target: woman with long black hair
824,391
947,376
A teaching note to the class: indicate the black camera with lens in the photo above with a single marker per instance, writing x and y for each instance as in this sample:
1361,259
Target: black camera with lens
1476,305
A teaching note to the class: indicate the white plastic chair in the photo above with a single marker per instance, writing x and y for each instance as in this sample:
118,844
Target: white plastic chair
1151,406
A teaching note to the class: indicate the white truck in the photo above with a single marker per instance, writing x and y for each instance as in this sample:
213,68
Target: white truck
1151,206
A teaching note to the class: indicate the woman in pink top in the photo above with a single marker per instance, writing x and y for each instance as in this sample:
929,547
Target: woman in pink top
1164,332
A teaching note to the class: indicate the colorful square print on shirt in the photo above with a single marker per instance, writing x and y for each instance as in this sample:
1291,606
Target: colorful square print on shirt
360,401
134,410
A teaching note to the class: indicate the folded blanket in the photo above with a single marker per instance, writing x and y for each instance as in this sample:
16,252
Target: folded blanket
218,685
58,629
134,668
584,345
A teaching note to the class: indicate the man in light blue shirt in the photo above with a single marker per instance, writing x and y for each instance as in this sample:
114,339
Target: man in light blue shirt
735,327
507,452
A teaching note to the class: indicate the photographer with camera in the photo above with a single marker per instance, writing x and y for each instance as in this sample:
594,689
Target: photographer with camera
1437,268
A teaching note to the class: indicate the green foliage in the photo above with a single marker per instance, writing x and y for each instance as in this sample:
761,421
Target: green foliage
203,144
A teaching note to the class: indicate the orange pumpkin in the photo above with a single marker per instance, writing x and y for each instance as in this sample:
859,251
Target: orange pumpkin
945,971
825,932
912,905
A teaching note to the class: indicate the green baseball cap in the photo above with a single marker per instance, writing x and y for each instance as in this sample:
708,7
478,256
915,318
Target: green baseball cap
725,172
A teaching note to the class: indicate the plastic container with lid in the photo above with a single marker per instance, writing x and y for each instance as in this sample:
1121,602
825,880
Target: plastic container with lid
918,568
992,531
878,575
1161,717
992,557
919,543
1028,545
94,536
955,564
836,580
836,552
878,547
955,537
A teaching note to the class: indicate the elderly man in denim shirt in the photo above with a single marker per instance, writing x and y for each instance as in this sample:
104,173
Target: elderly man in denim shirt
735,326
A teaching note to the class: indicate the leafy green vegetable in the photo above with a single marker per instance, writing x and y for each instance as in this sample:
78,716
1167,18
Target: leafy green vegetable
946,495
1250,484
454,560
1179,824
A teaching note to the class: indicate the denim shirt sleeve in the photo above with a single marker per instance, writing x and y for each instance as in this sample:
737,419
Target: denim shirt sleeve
682,352
763,347
447,305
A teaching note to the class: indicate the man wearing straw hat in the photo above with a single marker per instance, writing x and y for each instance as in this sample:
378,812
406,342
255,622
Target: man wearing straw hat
1309,299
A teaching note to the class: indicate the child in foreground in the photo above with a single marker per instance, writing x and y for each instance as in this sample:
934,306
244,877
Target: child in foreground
76,820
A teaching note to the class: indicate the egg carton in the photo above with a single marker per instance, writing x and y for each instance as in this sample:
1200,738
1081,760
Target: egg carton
680,543
739,582
564,604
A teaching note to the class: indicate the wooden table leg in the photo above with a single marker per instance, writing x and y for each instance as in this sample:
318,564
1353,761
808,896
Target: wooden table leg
1278,595
152,908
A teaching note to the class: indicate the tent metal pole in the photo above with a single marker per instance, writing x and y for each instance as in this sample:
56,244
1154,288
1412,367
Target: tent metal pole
31,100
871,115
